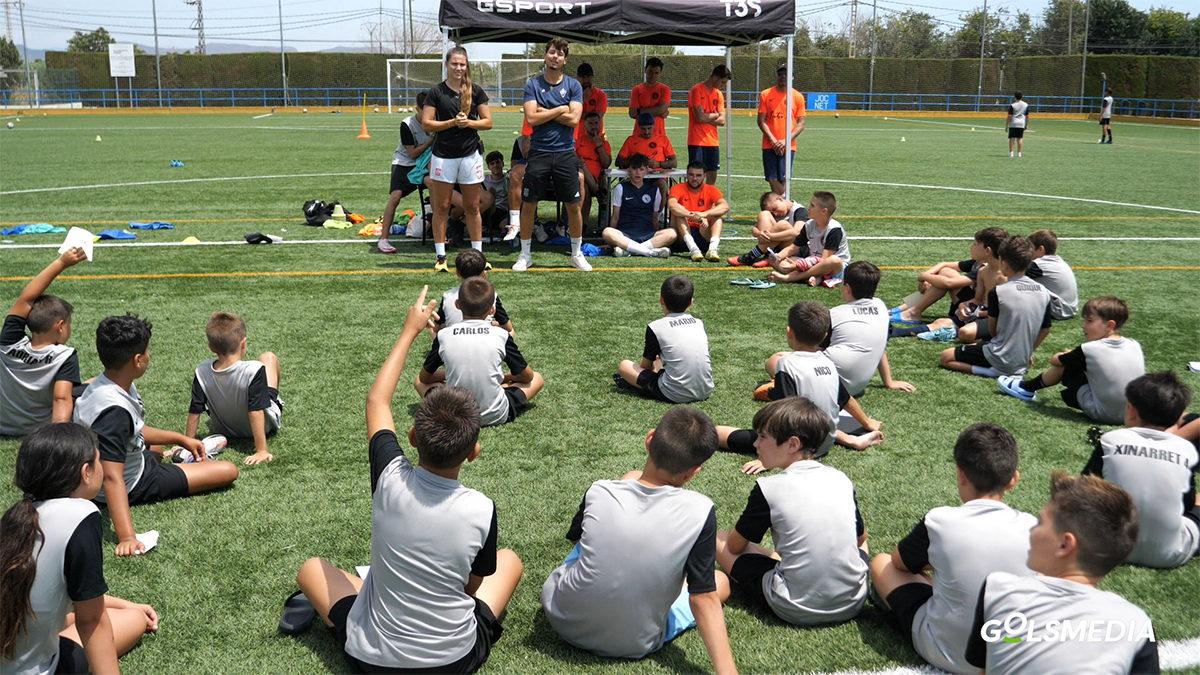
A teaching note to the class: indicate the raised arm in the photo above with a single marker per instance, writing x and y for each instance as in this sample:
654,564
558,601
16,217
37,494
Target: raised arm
35,288
379,398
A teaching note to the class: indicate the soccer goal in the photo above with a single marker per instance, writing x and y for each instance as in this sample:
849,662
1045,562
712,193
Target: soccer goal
503,80
408,77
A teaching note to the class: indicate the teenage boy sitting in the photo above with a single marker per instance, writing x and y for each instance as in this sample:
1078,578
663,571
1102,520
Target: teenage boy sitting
38,372
818,571
112,408
1083,532
1094,374
1018,318
437,582
1157,468
474,353
859,332
675,365
1051,271
960,545
968,319
828,249
956,279
806,372
469,263
779,223
641,571
636,204
241,397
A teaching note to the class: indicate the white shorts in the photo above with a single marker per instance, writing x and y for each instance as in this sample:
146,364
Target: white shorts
462,170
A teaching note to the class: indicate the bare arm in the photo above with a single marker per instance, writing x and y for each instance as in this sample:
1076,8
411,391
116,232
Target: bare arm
766,130
153,436
379,398
430,124
193,425
64,403
37,287
95,631
118,509
719,209
484,123
885,374
573,116
536,115
604,156
716,119
798,128
710,621
676,209
736,543
622,162
669,163
1041,336
659,110
258,429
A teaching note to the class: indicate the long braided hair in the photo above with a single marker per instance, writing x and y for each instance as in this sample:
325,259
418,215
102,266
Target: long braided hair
465,89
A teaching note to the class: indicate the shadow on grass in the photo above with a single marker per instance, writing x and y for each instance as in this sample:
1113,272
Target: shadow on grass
882,637
544,640
319,639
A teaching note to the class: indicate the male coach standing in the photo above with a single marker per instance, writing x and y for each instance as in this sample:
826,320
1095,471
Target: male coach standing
772,120
553,107
706,112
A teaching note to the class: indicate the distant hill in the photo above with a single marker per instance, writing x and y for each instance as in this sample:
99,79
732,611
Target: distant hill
34,54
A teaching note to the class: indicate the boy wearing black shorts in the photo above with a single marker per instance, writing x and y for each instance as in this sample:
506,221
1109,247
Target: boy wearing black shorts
675,364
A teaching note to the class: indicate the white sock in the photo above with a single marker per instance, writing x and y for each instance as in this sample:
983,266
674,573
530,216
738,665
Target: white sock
576,243
440,249
525,243
640,249
514,218
714,243
691,243
1018,154
477,245
984,372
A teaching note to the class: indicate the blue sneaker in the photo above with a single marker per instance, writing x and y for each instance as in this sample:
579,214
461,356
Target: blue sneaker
1011,385
946,334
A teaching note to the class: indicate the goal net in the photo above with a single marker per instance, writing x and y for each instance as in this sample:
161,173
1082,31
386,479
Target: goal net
503,80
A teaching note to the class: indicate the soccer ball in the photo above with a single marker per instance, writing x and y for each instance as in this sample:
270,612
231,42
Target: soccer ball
503,104
10,125
836,116
306,110
377,110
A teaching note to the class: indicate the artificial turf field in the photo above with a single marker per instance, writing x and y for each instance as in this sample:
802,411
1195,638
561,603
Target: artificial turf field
332,311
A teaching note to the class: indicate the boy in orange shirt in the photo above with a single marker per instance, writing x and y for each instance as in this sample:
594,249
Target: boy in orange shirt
772,120
706,112
696,210
651,97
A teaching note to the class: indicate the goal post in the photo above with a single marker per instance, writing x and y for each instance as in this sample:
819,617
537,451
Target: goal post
407,77
502,79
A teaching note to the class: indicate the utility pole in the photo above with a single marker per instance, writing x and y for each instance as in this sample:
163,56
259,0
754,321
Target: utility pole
853,28
874,26
24,43
1087,20
982,42
8,20
1070,20
157,62
282,58
198,24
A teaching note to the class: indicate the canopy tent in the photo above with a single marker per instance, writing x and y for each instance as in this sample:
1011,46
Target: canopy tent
725,23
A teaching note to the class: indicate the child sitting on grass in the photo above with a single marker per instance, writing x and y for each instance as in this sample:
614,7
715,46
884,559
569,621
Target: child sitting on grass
1051,271
641,571
1094,374
56,616
858,332
828,250
675,365
129,454
818,571
1157,468
956,279
960,545
240,396
437,582
467,264
779,223
38,372
474,353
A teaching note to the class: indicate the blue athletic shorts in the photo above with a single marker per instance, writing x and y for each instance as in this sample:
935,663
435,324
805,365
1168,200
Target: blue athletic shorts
709,154
773,166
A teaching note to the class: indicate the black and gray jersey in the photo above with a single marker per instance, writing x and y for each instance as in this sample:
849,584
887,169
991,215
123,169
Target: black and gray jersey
104,398
832,238
230,394
1109,365
411,134
1021,308
1018,114
683,345
1106,108
1057,276
449,314
815,377
27,378
475,353
857,340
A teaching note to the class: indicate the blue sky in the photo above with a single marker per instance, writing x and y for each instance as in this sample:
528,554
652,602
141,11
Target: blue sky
313,25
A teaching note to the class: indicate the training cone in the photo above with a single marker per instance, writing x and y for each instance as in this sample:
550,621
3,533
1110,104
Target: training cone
364,135
97,138
901,139
338,212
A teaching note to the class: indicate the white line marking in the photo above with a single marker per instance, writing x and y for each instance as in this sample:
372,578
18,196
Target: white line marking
976,190
192,180
949,124
259,117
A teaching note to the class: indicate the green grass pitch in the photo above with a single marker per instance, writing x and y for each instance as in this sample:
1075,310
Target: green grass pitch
226,561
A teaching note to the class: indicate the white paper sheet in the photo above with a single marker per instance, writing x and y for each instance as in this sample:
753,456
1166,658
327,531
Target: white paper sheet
77,236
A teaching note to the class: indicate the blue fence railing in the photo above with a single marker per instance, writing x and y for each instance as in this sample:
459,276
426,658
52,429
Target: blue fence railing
352,97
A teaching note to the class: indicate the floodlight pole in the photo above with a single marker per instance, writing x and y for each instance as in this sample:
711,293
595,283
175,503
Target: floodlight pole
729,128
1087,21
157,62
982,42
24,43
787,143
282,58
871,82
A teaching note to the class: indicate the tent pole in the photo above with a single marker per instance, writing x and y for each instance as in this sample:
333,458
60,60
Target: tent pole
729,129
445,50
787,143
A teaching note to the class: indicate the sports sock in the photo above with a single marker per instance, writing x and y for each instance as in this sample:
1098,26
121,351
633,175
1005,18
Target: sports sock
691,243
985,372
525,244
514,218
1034,384
742,442
756,253
440,249
906,331
576,244
477,245
639,248
714,243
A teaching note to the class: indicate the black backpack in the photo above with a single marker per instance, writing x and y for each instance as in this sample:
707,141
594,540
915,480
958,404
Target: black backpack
316,212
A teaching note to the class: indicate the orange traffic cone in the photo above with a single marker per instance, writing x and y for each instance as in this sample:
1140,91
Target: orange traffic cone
364,135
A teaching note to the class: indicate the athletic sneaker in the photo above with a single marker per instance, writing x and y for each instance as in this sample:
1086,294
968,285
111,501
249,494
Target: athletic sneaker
523,263
440,265
712,255
697,256
619,252
512,232
660,252
946,334
621,383
385,246
580,263
763,392
487,266
746,259
1011,385
214,445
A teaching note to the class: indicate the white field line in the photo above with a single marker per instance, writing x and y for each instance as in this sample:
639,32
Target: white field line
948,124
259,117
192,180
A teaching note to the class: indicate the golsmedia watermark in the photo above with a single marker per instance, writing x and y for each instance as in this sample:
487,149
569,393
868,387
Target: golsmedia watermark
1017,627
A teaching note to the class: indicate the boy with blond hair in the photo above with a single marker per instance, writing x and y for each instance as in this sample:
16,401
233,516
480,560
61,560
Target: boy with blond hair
241,397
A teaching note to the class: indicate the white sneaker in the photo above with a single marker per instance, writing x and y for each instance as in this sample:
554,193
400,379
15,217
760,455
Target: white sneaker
512,232
580,263
214,445
619,252
660,252
523,263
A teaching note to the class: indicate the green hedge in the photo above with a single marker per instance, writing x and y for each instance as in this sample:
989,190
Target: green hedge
1160,77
